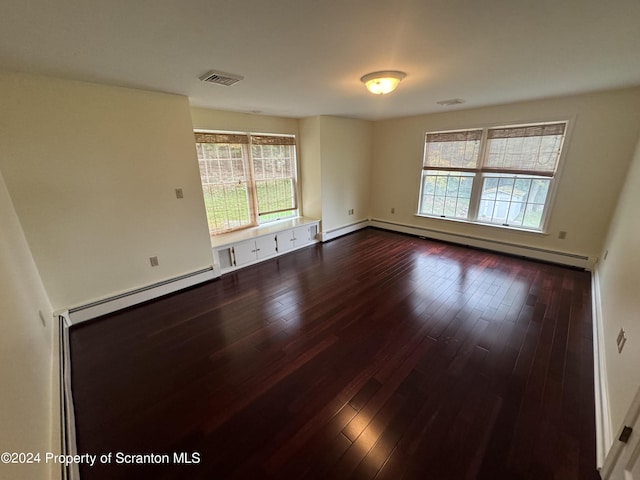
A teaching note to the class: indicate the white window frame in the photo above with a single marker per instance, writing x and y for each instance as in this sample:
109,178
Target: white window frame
254,214
479,175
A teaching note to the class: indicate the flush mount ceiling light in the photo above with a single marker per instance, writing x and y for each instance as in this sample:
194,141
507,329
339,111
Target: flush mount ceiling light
383,82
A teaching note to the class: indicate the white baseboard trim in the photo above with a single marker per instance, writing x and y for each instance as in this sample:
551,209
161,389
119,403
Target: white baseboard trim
563,258
338,232
117,302
604,437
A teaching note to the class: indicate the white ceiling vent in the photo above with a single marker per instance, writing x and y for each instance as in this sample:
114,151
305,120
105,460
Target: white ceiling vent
221,78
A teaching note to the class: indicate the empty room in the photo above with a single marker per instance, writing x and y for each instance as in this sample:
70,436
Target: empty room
320,240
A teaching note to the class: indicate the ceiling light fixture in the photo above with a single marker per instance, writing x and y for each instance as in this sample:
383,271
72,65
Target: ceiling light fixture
383,82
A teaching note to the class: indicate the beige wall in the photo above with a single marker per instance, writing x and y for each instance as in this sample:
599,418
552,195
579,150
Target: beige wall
209,119
311,167
603,130
29,404
619,277
336,167
345,147
92,170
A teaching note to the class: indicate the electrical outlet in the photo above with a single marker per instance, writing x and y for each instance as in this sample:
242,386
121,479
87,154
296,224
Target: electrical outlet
393,210
179,193
154,261
562,235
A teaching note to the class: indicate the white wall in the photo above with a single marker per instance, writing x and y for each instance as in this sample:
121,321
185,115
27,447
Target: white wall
603,130
619,279
92,170
29,406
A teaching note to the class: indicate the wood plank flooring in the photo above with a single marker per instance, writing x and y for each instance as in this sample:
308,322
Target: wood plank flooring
373,356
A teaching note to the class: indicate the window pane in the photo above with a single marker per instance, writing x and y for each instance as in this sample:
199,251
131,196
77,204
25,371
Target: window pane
533,216
227,206
453,184
441,184
522,187
275,195
450,206
516,212
485,212
430,185
510,200
500,211
539,191
446,194
505,188
275,174
223,172
466,185
490,188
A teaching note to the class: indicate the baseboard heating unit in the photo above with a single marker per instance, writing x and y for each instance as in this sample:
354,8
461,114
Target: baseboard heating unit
343,230
133,297
536,253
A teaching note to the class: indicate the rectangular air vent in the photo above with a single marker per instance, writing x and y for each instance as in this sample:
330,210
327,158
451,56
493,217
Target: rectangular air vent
448,103
221,78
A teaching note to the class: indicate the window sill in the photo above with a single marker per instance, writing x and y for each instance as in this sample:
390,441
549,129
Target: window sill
481,224
254,232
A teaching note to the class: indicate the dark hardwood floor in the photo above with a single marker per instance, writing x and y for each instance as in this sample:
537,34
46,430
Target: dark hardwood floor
376,355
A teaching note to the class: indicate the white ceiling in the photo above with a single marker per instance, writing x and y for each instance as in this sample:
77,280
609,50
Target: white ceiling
305,57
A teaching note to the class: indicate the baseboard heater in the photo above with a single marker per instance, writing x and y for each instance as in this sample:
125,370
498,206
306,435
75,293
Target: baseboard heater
139,295
343,230
564,258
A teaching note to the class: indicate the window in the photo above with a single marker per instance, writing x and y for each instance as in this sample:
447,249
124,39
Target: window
246,179
499,176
